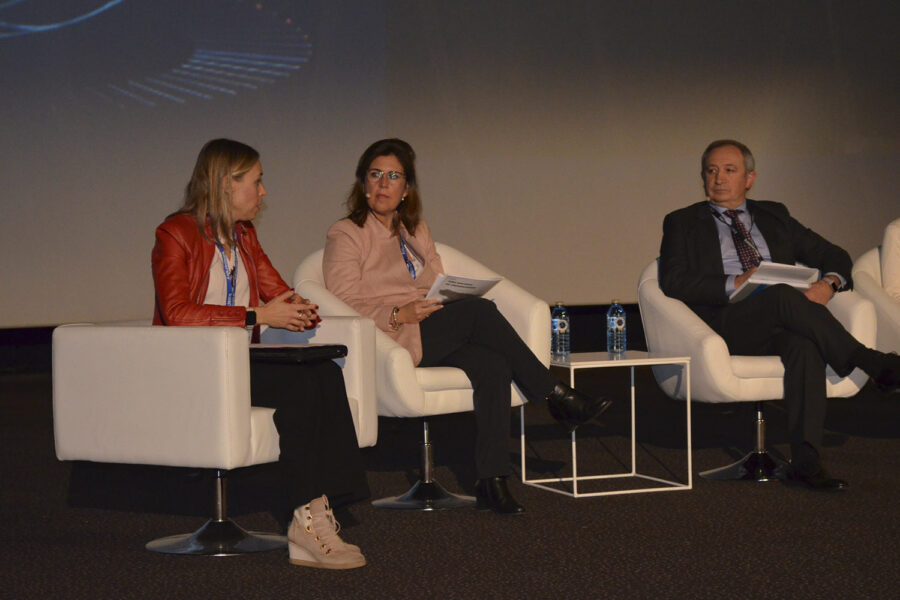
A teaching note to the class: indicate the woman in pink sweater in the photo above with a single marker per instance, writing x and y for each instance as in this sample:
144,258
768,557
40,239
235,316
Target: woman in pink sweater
381,260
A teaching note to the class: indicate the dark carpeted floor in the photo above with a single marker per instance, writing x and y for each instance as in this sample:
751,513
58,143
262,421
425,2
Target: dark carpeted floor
78,530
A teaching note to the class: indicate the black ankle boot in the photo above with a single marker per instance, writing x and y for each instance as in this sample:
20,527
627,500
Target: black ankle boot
492,493
572,408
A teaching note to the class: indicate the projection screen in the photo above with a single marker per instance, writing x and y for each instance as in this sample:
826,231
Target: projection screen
552,137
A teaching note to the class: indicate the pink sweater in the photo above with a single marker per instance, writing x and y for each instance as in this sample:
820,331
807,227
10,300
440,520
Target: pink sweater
363,267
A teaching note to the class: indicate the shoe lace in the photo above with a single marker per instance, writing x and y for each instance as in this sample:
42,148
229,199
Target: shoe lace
335,525
329,538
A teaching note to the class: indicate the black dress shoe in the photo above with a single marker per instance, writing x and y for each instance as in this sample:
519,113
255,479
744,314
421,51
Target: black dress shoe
572,408
492,493
821,480
817,478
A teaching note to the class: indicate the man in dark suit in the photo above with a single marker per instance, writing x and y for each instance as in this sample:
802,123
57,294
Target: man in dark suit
710,248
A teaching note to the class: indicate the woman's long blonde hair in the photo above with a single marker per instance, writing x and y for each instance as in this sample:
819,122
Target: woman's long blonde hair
207,196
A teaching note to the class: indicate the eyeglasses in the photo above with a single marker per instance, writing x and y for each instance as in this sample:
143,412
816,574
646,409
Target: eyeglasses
375,175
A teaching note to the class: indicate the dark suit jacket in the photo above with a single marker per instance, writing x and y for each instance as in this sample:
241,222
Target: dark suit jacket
690,259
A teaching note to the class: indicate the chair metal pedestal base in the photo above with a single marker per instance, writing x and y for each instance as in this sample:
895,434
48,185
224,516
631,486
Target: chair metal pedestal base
220,536
758,465
426,493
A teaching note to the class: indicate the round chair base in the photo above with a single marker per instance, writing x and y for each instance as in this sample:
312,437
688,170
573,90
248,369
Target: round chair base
426,496
218,538
756,466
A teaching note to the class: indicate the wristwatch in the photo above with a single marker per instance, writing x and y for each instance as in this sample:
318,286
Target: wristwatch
250,319
393,322
835,285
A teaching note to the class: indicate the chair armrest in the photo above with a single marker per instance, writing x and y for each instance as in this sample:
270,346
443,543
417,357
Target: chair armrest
396,387
886,308
867,281
358,367
310,268
673,329
329,304
399,391
528,315
856,314
176,396
868,263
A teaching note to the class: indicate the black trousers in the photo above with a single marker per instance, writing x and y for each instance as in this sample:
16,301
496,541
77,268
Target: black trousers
319,450
472,335
780,320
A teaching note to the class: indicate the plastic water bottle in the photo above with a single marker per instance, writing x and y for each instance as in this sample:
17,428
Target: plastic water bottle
615,328
559,333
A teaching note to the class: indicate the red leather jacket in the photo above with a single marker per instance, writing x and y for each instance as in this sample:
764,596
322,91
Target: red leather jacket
181,259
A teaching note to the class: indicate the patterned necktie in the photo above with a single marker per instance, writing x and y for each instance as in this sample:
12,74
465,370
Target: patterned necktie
747,253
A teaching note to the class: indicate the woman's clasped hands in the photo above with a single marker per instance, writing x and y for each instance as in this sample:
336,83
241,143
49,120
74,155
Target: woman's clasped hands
288,311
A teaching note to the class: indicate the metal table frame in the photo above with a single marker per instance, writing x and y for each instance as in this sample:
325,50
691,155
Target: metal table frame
632,359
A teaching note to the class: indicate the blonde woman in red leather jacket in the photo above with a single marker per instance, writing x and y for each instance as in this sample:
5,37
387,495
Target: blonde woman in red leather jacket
181,260
210,270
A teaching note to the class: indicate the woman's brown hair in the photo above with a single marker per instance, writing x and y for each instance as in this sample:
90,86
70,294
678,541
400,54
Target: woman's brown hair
410,209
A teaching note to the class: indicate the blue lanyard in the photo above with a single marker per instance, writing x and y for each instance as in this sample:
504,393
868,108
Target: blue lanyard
230,277
409,265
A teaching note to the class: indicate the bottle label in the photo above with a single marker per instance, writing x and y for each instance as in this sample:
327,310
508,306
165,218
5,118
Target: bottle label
619,323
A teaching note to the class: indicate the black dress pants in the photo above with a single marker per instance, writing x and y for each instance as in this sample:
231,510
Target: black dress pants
317,439
472,335
780,320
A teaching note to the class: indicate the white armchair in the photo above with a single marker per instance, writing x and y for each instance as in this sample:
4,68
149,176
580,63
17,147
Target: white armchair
403,390
672,328
180,396
868,282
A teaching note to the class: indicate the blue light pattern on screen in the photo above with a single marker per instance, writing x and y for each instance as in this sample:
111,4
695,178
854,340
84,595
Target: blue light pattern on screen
148,54
15,29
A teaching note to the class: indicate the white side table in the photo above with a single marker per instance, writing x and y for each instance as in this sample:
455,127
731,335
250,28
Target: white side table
632,359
